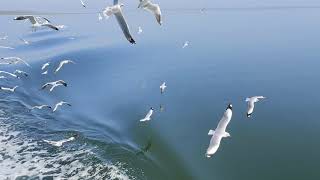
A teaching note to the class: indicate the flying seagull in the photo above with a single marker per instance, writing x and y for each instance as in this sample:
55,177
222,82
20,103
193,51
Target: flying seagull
163,87
45,65
82,3
99,17
60,104
41,107
63,63
24,41
10,74
153,8
116,10
148,116
19,72
54,84
219,132
37,21
12,60
139,30
9,89
251,101
59,143
185,44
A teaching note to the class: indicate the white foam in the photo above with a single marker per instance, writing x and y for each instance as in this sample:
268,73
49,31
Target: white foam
24,157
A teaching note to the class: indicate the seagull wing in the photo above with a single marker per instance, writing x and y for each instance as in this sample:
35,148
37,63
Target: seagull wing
155,9
51,26
56,107
250,107
224,120
32,19
59,67
124,26
21,60
46,85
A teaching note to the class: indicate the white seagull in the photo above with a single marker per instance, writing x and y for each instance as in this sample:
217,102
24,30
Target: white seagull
10,74
54,84
63,63
12,60
251,101
41,107
148,116
153,8
9,89
139,30
37,21
185,44
19,72
24,41
46,72
45,65
99,17
59,143
116,10
162,87
82,3
60,104
219,132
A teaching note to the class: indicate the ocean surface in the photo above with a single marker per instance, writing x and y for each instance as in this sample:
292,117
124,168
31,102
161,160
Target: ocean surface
237,50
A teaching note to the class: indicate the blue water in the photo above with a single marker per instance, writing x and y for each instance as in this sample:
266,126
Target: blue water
232,54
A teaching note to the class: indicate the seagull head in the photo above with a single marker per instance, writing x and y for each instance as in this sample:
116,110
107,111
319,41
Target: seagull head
229,106
121,4
151,108
248,115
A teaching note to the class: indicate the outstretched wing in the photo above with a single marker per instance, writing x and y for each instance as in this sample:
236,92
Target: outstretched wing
124,27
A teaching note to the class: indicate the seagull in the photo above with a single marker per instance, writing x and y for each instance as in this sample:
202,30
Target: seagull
36,22
251,101
46,72
9,89
59,143
116,10
148,116
19,72
13,60
82,3
6,47
60,104
10,74
219,132
63,63
3,38
54,84
99,17
153,8
162,87
139,30
24,41
41,107
45,65
185,44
